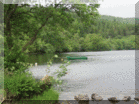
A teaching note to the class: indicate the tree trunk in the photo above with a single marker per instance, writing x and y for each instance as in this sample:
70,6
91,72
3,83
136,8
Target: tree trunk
8,25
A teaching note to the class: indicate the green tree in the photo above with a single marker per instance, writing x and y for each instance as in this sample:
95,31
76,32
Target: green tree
75,43
24,25
91,42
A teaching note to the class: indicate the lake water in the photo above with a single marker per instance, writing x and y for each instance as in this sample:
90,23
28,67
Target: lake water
108,73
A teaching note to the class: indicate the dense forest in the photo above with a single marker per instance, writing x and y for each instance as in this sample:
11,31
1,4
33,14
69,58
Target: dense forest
80,37
73,33
106,33
119,19
55,29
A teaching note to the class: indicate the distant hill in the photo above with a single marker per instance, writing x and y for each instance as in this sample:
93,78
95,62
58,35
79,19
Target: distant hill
119,19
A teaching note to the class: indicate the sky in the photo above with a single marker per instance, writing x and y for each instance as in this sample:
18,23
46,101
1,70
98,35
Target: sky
118,8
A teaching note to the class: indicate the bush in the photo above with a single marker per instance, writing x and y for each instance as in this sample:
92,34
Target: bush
49,97
15,59
91,42
21,85
129,42
75,43
68,46
117,44
113,44
49,48
104,45
51,94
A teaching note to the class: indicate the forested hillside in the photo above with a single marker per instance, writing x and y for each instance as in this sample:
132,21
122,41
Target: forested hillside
113,27
68,30
119,19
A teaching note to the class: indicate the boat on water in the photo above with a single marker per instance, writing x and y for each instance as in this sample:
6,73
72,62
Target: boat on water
77,58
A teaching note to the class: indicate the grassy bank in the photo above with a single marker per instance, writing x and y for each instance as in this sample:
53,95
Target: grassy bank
24,87
21,85
49,95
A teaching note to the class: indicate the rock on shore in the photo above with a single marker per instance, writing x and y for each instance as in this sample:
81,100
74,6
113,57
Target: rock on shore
96,97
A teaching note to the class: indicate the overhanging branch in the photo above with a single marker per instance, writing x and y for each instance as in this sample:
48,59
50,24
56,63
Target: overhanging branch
35,36
36,32
10,14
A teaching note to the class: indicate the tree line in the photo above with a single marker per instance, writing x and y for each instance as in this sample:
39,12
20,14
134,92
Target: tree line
101,35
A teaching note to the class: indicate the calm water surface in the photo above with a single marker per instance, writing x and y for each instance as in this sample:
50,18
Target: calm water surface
108,73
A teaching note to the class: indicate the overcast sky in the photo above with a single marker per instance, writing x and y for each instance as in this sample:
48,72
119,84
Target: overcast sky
118,8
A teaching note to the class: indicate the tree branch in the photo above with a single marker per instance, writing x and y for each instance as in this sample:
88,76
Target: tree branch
36,32
35,36
10,14
8,25
25,13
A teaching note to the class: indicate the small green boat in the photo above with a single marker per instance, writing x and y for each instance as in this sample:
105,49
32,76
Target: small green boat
77,58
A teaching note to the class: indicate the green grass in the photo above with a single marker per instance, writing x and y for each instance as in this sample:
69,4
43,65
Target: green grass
51,94
48,96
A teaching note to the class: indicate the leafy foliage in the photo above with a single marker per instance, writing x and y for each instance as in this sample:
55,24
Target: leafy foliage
14,59
21,85
119,19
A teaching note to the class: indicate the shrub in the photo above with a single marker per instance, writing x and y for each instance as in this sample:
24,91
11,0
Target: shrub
21,85
91,42
59,73
13,58
51,94
129,42
116,44
104,45
49,48
113,44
